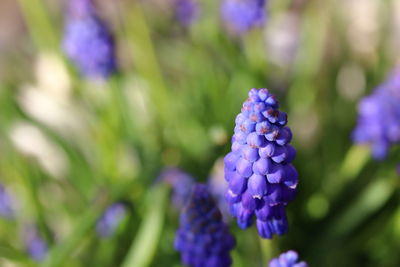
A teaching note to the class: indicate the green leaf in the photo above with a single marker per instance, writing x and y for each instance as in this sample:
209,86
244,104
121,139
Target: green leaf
12,254
353,163
144,246
83,225
39,24
372,199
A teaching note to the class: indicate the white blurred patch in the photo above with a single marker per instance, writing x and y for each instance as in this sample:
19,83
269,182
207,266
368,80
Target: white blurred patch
49,100
218,187
282,38
52,76
218,135
58,114
32,142
351,81
217,173
362,18
7,263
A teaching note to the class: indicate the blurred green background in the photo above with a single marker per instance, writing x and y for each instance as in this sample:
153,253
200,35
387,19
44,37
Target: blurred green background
70,147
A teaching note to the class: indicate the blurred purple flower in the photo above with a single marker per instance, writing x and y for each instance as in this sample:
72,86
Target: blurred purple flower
87,41
186,11
240,16
379,117
261,178
181,184
5,203
35,245
110,220
203,239
282,39
287,259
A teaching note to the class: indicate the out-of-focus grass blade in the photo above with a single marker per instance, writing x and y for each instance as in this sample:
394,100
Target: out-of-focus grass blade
83,225
143,247
139,36
354,161
352,165
268,249
38,22
10,253
373,198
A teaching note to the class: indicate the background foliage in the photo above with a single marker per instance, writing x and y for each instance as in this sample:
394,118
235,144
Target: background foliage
71,147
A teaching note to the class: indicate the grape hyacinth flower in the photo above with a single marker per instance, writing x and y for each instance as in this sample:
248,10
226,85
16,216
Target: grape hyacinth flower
110,220
87,41
36,247
6,210
262,180
181,184
287,259
379,117
240,16
186,11
203,239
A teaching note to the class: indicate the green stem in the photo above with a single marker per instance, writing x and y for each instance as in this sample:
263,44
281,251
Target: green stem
61,252
268,249
143,248
145,59
32,189
84,224
122,104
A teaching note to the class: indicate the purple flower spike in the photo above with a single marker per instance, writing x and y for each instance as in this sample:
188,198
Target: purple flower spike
240,16
379,117
181,184
262,180
35,245
287,259
187,11
6,210
203,239
87,41
110,220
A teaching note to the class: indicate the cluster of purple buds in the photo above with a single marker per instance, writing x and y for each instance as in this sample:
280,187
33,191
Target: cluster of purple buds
240,16
36,247
181,184
186,11
110,220
88,42
287,259
203,239
262,180
6,210
379,117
